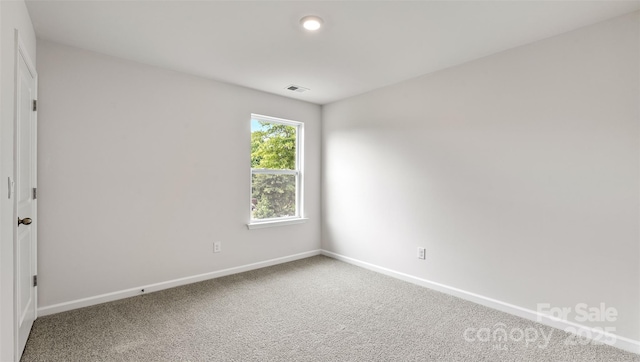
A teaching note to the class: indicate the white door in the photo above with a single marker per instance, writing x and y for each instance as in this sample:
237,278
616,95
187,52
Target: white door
25,202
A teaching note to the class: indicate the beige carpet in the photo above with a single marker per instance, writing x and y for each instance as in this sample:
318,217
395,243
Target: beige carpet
316,309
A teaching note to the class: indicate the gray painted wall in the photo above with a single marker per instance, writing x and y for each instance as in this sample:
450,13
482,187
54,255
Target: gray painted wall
142,169
518,172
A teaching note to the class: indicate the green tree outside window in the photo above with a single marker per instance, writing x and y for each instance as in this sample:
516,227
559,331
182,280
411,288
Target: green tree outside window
273,147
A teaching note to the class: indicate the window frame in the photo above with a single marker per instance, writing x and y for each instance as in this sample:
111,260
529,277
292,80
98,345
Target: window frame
298,173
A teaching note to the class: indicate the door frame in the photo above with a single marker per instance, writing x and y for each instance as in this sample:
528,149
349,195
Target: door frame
21,52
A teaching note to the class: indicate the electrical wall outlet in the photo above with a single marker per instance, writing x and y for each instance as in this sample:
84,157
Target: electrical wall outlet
217,247
422,253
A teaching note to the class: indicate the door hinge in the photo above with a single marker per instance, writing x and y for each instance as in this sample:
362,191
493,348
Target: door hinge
35,193
35,280
35,105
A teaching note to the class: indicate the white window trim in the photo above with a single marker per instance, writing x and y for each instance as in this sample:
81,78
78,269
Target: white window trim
268,223
298,173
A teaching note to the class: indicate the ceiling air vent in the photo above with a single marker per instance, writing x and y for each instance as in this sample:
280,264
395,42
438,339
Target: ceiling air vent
297,88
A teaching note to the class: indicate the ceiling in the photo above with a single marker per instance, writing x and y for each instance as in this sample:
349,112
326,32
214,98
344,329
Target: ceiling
363,45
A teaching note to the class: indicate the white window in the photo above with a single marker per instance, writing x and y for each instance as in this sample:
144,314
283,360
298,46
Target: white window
276,171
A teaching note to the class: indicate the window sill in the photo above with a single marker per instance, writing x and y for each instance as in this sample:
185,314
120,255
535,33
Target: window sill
273,223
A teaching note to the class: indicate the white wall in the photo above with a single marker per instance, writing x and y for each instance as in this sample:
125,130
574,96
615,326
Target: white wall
14,16
518,172
141,169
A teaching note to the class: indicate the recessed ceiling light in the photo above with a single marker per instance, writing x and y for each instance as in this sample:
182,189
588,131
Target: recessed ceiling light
311,22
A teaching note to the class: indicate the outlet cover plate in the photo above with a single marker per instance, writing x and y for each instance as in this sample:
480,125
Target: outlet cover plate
422,253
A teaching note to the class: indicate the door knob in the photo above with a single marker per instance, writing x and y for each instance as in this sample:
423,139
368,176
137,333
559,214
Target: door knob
25,221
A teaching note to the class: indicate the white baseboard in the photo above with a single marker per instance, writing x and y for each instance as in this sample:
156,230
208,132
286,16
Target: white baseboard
620,342
108,297
623,343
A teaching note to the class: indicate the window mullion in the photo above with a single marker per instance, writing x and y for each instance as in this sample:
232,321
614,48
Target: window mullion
273,172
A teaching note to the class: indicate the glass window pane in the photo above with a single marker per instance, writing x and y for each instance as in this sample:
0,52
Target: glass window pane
273,146
273,196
